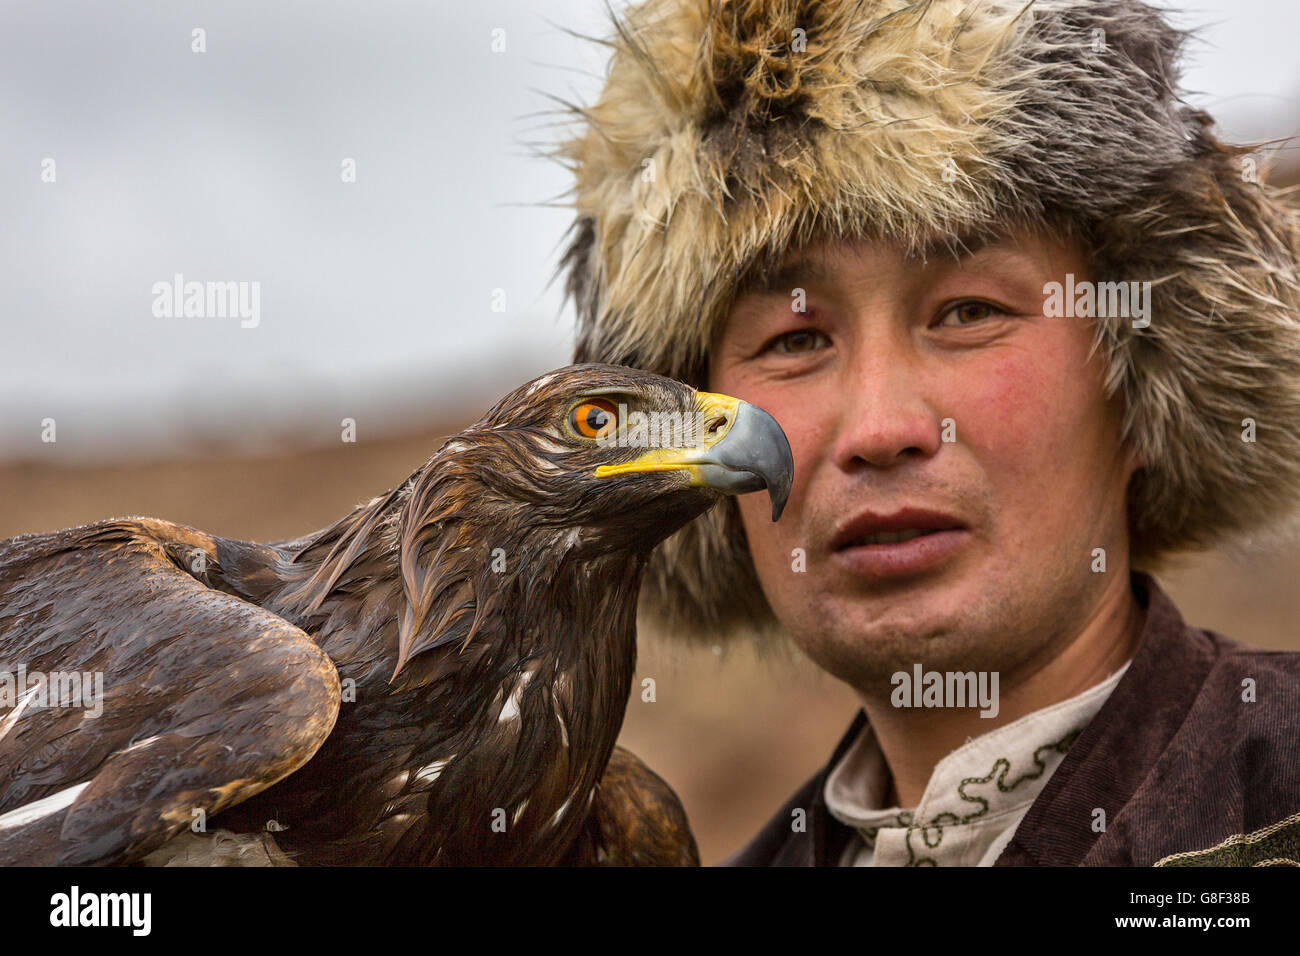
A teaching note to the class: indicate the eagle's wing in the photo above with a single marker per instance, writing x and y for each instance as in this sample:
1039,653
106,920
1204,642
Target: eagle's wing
206,699
635,820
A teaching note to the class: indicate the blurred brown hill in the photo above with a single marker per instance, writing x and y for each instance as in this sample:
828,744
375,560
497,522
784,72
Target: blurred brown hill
733,734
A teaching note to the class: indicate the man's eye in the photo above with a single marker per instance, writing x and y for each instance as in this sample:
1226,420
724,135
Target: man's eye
964,313
798,341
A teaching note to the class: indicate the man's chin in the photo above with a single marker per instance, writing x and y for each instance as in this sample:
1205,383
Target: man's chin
889,617
857,635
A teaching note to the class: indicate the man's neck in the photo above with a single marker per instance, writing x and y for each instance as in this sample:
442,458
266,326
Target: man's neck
914,740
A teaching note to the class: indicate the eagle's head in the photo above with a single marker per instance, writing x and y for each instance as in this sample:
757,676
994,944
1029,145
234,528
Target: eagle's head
613,458
564,487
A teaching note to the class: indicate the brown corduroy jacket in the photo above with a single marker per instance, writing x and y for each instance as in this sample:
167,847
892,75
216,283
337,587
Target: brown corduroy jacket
1185,766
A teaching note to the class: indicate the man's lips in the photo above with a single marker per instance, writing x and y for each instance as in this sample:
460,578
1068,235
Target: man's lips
907,521
904,542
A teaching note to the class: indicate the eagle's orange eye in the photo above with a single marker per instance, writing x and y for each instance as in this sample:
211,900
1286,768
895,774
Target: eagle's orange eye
594,418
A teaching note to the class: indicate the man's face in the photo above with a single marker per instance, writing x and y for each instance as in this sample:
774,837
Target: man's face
930,397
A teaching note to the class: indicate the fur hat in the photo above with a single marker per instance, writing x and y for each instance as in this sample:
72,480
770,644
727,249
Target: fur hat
729,131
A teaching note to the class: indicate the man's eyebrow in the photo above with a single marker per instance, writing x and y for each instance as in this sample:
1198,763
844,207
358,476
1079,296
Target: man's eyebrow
801,272
790,276
959,247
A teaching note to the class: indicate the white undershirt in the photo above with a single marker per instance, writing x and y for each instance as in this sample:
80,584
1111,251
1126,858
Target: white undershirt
975,799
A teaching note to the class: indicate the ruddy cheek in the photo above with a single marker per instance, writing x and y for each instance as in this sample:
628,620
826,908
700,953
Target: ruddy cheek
1012,412
1032,439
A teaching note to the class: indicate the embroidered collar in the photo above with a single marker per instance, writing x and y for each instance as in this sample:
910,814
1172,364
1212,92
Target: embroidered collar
975,798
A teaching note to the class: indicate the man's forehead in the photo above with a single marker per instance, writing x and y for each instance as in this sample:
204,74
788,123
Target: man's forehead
811,259
811,263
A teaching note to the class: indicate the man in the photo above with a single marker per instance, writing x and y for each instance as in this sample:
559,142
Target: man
1030,328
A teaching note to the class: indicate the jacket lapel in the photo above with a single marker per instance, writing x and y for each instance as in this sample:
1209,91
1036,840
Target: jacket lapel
1065,826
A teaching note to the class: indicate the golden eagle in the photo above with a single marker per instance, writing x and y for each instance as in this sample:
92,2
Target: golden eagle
437,678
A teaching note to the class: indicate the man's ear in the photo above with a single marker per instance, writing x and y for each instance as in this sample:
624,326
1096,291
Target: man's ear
1135,459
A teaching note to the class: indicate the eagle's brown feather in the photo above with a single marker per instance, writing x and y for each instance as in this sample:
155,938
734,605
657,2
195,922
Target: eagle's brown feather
439,677
208,699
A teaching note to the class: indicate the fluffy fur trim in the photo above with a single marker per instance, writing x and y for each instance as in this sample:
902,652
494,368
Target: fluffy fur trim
730,131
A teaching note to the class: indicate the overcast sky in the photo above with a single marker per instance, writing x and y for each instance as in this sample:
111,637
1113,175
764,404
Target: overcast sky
376,296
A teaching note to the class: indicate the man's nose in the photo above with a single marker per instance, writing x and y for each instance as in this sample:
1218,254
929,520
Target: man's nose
886,419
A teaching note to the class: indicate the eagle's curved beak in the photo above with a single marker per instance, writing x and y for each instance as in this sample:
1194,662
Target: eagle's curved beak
739,448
